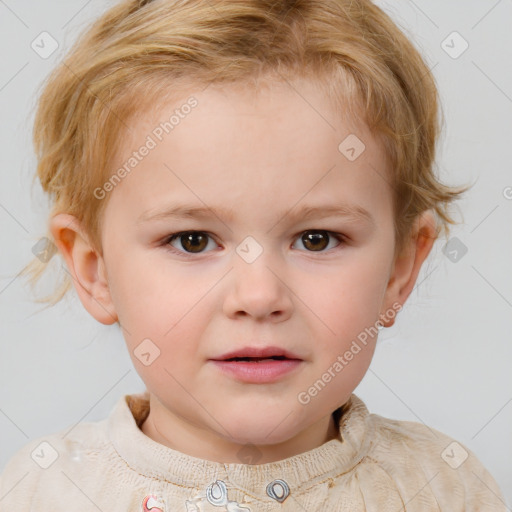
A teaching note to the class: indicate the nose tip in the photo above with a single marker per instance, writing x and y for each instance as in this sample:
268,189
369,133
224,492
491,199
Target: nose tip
258,291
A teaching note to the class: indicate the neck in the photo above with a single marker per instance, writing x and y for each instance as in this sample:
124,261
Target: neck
197,441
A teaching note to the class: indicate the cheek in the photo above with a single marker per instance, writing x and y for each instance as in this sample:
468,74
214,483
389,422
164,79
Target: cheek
153,294
349,310
350,299
167,310
176,361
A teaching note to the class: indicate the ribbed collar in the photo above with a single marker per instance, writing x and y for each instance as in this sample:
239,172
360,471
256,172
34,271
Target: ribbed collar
155,460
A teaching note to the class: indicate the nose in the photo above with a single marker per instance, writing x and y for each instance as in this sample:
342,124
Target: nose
259,289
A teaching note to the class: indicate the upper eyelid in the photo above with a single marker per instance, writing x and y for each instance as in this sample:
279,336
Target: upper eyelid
211,235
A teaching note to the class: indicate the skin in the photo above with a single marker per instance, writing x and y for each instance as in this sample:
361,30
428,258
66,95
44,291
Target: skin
259,154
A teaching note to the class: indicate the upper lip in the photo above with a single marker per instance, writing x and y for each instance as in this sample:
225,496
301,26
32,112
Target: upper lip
257,352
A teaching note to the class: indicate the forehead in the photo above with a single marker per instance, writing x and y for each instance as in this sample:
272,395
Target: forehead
281,144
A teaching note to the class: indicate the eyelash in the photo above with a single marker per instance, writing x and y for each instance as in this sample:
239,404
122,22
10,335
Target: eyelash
166,242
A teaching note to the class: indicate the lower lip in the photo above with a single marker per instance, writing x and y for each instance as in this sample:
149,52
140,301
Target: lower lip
258,372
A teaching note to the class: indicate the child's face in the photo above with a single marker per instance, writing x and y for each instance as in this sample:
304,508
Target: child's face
265,158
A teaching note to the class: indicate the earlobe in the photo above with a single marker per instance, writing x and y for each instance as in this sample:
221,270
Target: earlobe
86,267
408,264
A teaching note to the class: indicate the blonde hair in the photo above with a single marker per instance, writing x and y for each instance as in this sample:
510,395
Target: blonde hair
140,52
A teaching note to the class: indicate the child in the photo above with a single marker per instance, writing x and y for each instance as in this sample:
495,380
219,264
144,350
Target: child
252,130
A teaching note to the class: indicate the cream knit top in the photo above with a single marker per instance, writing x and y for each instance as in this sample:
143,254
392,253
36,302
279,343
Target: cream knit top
380,465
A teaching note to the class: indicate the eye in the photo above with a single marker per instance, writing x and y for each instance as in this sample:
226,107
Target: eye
316,240
195,242
192,241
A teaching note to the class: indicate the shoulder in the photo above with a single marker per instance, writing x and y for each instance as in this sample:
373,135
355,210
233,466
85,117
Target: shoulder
44,463
428,462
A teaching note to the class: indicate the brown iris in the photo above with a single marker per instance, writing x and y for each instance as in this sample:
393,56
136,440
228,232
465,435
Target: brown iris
315,240
194,242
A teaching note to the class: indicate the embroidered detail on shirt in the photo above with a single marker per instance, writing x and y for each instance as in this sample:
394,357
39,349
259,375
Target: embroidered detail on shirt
217,495
278,490
152,504
193,507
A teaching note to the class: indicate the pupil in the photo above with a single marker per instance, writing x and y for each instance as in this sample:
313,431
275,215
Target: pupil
314,238
192,239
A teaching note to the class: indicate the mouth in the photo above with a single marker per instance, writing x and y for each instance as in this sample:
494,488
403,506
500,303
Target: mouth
256,354
258,366
258,359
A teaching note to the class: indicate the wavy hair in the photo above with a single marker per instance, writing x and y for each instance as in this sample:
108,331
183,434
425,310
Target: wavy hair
139,53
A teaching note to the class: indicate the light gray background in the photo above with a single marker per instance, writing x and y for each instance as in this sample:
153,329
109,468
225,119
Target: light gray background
447,360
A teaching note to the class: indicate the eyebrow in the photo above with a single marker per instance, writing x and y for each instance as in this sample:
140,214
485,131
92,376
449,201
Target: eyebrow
352,212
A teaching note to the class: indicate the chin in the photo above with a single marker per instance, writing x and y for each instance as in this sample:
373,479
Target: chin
262,433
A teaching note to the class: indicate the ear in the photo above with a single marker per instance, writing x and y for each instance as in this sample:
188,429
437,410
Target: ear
408,263
86,267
